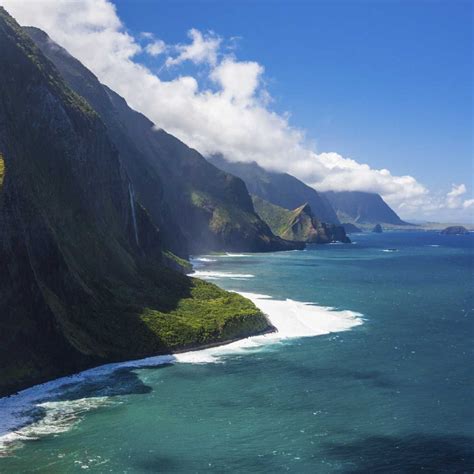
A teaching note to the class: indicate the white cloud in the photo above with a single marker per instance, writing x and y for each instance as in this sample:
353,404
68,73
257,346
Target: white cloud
468,203
156,48
453,198
238,80
202,49
233,118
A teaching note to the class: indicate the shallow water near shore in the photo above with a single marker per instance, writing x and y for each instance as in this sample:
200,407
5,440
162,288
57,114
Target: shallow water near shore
381,382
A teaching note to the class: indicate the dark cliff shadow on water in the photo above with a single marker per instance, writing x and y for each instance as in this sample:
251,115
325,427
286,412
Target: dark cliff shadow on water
369,378
122,381
418,452
117,382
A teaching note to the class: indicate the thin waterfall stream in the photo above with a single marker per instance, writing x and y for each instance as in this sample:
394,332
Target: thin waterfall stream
132,206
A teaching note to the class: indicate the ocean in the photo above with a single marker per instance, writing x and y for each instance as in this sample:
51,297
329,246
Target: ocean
371,371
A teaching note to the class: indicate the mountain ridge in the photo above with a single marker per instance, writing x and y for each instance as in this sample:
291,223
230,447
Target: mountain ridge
280,189
360,207
198,207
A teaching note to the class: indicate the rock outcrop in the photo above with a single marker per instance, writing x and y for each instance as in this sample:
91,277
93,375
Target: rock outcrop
299,224
377,229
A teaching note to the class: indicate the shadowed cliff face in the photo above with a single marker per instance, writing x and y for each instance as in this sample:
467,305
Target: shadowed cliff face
82,280
196,206
280,189
362,208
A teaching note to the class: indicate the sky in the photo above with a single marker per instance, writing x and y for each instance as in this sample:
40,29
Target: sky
357,95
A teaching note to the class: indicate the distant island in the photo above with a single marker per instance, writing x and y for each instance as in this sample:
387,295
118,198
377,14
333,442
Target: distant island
455,230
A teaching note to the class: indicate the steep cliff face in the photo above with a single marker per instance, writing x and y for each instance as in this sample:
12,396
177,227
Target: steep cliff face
299,224
280,189
196,206
83,279
359,207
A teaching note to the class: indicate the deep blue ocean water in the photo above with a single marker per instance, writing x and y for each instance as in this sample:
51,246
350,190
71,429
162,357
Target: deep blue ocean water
394,394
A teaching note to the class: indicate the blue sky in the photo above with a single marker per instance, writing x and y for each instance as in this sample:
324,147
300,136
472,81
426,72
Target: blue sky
345,95
388,83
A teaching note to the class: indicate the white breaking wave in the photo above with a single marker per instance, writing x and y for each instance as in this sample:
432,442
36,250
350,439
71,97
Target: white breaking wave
292,319
35,412
297,319
210,275
58,417
21,419
200,262
204,259
235,255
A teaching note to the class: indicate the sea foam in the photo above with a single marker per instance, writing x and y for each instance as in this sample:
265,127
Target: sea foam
235,255
210,275
37,412
204,259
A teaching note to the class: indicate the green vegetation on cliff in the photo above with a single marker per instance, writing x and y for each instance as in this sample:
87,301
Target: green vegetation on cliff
2,170
299,224
276,217
208,315
85,276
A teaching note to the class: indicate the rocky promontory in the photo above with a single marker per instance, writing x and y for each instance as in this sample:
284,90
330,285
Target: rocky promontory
298,225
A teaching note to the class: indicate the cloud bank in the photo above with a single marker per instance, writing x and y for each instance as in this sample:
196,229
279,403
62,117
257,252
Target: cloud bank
231,113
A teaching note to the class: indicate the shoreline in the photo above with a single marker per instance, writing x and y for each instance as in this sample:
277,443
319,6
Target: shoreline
271,329
287,319
39,393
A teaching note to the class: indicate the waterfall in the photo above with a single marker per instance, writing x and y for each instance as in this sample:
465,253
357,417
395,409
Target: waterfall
132,206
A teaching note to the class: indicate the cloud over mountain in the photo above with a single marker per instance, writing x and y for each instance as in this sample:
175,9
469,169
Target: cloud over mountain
229,112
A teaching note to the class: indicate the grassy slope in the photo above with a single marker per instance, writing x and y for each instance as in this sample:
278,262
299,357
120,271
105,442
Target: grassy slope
304,229
227,218
298,225
2,170
281,220
276,217
209,315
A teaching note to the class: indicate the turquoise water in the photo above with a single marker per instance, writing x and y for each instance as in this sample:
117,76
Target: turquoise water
394,394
